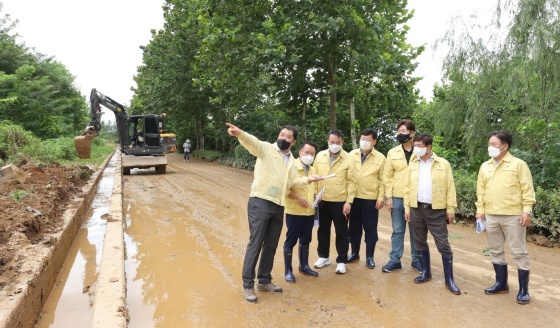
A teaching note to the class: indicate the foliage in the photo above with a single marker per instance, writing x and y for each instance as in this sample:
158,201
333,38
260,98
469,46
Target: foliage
547,213
18,195
243,159
262,64
465,187
507,80
36,91
12,138
209,155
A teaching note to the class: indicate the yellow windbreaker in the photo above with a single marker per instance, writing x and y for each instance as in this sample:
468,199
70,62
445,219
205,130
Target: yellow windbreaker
341,188
292,206
506,189
368,175
272,179
394,173
443,186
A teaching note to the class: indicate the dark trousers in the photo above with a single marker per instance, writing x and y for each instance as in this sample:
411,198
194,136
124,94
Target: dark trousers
187,155
299,227
265,226
423,220
332,212
363,215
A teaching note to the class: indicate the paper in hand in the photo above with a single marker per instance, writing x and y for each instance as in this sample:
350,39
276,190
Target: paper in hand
480,225
318,198
329,176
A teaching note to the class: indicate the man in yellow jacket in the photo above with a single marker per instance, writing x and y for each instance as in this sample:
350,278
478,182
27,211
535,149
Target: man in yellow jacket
367,168
300,215
429,205
274,175
336,201
505,199
394,175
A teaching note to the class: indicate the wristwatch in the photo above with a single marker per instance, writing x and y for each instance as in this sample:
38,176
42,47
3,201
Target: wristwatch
529,212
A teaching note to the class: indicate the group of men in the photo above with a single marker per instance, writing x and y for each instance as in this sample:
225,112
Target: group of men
414,184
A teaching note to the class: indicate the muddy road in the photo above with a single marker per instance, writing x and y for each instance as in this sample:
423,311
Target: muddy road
186,233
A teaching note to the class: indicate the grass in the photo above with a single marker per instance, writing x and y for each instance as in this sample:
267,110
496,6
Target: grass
18,195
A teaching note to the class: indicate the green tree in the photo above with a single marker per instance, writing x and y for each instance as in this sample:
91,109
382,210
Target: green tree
511,84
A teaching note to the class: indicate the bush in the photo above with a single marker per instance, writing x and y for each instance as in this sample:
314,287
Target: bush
243,159
209,155
547,210
13,138
465,186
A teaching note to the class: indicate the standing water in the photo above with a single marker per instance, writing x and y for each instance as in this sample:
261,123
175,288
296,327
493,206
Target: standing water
70,303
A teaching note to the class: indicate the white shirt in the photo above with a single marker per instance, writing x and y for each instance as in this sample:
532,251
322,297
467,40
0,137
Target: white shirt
425,181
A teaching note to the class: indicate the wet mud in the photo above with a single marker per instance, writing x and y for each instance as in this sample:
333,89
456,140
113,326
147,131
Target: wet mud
186,233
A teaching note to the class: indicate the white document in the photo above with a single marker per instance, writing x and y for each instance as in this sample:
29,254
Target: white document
318,198
480,225
329,176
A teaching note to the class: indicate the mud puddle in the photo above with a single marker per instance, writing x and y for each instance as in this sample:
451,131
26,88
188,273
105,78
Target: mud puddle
70,303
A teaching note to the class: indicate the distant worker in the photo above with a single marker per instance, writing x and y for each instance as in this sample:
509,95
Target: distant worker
274,175
505,198
429,205
300,215
187,150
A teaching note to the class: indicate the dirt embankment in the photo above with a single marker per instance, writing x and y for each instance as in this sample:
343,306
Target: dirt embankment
31,211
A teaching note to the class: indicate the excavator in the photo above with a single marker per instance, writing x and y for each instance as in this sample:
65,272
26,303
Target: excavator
139,135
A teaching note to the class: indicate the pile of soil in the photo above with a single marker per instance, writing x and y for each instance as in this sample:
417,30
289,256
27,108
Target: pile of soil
31,211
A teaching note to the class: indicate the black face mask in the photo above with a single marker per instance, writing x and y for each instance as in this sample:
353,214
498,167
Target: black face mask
402,138
283,144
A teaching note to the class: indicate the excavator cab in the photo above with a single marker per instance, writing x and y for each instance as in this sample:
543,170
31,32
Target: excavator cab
143,135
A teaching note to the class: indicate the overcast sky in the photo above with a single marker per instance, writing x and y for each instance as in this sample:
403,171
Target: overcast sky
98,41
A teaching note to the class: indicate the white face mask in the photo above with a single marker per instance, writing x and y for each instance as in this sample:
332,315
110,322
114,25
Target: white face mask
307,159
365,145
493,152
334,148
419,152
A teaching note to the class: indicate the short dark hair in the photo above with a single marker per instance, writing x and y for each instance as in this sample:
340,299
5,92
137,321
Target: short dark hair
408,123
503,135
370,132
290,128
425,138
336,132
312,144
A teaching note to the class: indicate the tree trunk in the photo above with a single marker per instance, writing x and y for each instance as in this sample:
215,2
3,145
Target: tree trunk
332,94
303,124
352,125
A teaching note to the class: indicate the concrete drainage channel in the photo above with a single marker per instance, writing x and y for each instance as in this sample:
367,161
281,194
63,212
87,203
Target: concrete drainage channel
81,281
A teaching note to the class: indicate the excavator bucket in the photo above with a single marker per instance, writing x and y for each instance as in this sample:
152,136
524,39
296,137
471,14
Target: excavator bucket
83,144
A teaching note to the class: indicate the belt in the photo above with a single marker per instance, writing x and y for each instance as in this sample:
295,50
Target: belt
424,205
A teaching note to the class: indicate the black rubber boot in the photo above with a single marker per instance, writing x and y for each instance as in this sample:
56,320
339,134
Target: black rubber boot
304,261
523,295
501,285
424,257
288,273
448,273
370,249
355,254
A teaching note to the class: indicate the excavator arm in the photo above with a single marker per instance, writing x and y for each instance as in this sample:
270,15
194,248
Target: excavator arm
97,99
